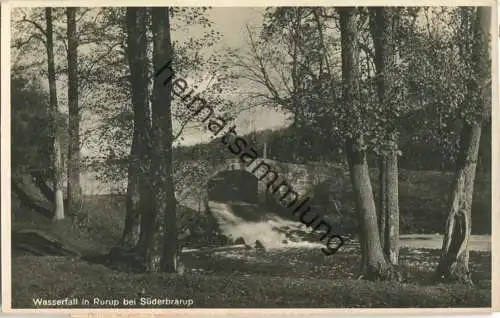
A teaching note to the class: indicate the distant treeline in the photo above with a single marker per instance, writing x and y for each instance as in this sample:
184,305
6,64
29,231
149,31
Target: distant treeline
301,146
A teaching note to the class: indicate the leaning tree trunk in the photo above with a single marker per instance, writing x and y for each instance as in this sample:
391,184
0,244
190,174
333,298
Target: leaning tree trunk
454,262
374,263
39,181
137,193
381,19
57,156
27,200
74,189
162,248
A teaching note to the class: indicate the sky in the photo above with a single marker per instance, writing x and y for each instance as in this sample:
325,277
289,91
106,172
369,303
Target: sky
232,22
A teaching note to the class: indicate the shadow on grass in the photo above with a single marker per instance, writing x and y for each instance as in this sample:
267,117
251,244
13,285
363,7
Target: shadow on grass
417,265
418,238
294,278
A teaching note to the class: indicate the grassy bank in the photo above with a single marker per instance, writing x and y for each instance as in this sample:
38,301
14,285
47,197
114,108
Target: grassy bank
281,278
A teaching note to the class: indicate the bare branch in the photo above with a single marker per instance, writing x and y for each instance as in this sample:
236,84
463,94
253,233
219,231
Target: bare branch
35,24
99,58
20,45
261,65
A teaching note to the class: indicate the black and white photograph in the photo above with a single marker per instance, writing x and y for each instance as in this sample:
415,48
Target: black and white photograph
234,157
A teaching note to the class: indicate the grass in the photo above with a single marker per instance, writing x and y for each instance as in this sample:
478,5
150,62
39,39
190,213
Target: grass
279,278
250,278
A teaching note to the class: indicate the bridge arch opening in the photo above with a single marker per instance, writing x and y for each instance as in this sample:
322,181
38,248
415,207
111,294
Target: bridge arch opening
233,186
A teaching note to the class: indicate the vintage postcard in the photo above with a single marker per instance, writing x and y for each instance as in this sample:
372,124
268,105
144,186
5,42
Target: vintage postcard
305,157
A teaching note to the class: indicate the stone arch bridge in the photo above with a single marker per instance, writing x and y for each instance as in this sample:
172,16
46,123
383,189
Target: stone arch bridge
233,180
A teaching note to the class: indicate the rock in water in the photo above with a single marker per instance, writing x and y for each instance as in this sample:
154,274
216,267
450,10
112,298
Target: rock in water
259,245
239,240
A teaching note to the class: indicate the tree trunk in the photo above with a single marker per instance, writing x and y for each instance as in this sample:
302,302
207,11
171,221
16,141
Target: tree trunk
381,19
137,191
162,247
374,264
391,240
382,206
57,156
454,262
132,229
74,188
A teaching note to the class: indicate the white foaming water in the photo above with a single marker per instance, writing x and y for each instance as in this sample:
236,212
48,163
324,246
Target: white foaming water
264,230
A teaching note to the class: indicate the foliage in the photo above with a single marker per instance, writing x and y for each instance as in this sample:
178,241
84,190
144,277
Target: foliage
439,73
191,62
295,64
32,127
298,49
